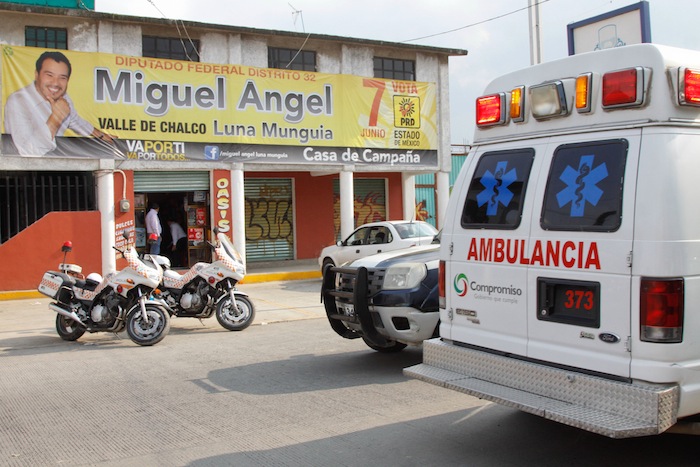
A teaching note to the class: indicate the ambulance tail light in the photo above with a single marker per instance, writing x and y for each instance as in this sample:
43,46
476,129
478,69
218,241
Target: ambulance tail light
491,110
689,87
441,285
625,88
661,310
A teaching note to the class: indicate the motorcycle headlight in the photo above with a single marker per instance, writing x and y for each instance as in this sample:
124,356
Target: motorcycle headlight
404,276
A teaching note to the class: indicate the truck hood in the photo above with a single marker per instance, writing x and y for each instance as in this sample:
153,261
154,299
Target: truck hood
417,254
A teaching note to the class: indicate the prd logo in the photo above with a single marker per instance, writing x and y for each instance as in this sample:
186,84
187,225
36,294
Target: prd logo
461,284
406,112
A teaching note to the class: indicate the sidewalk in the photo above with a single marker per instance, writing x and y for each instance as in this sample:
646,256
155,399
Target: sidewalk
282,271
29,321
257,272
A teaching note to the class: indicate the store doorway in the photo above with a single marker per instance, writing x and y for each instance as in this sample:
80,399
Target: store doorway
181,212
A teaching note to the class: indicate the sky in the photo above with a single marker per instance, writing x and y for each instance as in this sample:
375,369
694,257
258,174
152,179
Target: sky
495,33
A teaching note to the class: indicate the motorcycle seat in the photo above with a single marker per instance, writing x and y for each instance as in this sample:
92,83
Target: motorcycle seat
169,273
86,284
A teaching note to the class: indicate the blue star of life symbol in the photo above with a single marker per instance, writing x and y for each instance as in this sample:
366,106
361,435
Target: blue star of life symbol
496,188
581,185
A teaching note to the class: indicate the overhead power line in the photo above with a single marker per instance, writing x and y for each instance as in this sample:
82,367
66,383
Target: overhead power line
182,40
474,24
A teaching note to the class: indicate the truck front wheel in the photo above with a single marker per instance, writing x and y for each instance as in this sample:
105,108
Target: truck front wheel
392,347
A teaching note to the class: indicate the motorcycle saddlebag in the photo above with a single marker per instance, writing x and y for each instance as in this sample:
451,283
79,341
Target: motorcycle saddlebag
53,282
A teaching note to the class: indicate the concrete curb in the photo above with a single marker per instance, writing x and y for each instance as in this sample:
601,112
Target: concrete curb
280,276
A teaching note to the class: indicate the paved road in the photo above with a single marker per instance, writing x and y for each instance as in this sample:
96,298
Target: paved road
285,392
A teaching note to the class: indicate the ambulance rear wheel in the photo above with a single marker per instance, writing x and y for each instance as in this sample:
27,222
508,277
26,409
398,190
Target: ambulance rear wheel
67,329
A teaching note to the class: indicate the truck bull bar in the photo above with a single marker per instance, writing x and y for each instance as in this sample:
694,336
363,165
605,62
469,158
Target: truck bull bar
358,298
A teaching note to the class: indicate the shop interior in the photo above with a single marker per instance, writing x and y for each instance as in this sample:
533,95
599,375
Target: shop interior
190,210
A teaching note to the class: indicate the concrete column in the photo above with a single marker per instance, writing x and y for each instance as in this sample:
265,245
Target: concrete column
238,210
347,204
408,182
105,204
443,196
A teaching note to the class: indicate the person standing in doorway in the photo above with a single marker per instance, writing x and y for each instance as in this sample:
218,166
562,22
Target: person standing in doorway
153,227
179,243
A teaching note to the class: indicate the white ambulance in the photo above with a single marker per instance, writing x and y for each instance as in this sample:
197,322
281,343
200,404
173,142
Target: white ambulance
570,258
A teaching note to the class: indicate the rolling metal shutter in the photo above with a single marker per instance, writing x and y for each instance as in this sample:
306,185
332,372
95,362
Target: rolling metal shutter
369,205
161,182
269,219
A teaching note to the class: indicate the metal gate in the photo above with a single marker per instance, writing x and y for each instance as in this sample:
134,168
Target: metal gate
269,219
170,181
369,203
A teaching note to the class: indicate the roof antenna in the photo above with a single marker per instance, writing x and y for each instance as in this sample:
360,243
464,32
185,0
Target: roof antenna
297,14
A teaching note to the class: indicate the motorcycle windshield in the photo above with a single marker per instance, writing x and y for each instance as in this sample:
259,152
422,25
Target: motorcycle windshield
148,269
227,248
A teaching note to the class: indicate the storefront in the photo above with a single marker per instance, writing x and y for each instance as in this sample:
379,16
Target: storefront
284,161
183,198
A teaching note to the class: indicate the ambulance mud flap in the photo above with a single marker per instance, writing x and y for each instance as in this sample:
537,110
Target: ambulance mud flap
358,298
610,408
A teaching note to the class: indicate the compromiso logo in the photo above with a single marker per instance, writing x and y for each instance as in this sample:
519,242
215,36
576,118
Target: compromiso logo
460,284
490,289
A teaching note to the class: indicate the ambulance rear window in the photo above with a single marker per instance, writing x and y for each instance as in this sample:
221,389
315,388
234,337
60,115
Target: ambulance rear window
496,193
584,188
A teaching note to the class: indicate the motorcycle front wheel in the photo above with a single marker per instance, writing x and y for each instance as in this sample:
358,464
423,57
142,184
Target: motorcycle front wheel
238,318
148,332
67,329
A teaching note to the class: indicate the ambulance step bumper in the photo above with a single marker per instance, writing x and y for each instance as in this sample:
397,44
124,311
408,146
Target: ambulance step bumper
610,408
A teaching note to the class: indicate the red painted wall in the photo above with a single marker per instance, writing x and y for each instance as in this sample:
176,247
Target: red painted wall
313,198
26,256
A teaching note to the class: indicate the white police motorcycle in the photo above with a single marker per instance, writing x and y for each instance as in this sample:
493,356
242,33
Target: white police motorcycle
208,288
110,304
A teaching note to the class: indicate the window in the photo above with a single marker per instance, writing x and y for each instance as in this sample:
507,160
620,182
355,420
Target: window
391,68
359,237
28,196
172,48
291,59
497,191
584,187
47,38
415,230
380,235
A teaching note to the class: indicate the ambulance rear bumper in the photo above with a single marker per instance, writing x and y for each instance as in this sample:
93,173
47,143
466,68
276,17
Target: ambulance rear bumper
610,408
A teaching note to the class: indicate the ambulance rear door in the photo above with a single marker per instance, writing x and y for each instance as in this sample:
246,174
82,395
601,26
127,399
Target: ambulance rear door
485,281
580,252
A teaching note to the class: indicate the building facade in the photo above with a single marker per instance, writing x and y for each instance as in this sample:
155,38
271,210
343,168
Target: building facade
285,141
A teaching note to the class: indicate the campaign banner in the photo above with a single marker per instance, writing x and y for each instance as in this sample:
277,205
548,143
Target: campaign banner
106,105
